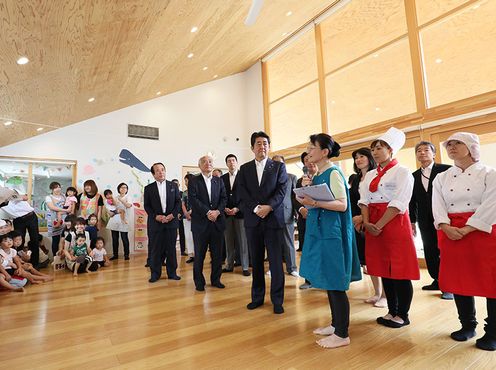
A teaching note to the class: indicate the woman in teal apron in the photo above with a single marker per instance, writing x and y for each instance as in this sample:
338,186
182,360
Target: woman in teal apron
330,260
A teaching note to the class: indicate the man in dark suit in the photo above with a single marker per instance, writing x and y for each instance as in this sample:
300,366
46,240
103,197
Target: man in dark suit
262,186
289,219
421,209
207,197
162,204
235,229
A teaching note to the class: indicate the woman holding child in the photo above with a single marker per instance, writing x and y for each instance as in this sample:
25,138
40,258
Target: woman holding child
55,203
118,207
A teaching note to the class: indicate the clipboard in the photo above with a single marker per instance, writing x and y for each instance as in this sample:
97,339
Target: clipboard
320,193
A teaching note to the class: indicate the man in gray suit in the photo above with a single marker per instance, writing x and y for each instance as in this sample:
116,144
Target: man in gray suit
289,219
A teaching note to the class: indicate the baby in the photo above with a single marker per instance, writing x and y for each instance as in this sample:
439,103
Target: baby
69,205
80,253
113,206
99,254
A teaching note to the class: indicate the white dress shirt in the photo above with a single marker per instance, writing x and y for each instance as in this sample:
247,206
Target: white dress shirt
425,175
395,188
208,183
162,192
474,190
260,168
18,208
232,178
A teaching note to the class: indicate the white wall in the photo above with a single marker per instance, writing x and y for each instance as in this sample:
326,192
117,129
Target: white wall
192,122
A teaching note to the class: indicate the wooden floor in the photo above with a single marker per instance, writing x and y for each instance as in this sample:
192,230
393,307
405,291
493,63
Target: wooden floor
115,319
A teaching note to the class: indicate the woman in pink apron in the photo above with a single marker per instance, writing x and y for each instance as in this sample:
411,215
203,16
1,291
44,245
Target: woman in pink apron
90,201
464,210
389,248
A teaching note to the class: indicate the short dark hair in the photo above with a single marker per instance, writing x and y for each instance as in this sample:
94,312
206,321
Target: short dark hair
54,185
100,238
80,236
120,186
426,143
303,156
367,153
15,234
218,169
92,215
256,135
231,156
70,188
79,221
152,170
278,156
175,180
5,236
325,141
107,192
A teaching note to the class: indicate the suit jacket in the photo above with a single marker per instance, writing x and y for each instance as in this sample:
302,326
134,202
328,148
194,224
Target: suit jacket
153,206
270,192
232,194
421,203
201,204
289,212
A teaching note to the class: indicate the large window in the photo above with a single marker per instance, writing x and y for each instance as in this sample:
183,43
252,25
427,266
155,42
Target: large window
33,177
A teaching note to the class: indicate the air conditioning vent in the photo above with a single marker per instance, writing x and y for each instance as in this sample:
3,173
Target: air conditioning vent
142,132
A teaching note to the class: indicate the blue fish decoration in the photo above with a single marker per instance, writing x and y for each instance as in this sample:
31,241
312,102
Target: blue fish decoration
132,161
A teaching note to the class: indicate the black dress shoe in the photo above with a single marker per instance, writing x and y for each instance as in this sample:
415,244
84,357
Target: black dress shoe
190,260
126,258
237,264
175,277
219,285
153,280
147,265
112,258
246,273
253,305
487,342
227,270
463,334
200,288
278,309
396,325
433,286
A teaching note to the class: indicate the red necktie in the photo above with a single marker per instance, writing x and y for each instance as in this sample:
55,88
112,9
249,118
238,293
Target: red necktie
374,184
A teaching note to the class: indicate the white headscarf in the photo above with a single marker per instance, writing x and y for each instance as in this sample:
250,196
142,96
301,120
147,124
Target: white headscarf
470,140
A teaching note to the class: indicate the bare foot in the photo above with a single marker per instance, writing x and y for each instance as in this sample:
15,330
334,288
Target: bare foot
75,274
88,271
18,289
381,303
48,278
333,341
325,330
372,299
35,282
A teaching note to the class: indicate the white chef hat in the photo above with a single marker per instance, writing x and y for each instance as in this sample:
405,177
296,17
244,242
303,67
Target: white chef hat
394,138
470,140
2,223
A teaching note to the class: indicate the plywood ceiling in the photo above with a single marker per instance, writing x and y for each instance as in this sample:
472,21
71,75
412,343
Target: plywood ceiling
123,52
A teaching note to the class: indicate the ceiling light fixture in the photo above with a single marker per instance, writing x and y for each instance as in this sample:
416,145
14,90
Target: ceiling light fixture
333,102
215,76
439,60
194,29
284,34
376,55
289,13
39,129
22,60
377,109
91,100
7,123
190,55
476,6
205,68
158,93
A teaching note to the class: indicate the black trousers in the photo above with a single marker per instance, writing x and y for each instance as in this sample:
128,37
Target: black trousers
399,295
211,239
115,243
301,224
431,250
55,244
340,311
163,247
466,313
182,239
259,238
29,223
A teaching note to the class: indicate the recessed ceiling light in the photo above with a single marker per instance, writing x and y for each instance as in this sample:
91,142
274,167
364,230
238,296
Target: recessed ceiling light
7,123
90,100
158,93
22,60
377,109
284,34
205,68
476,6
333,102
39,129
215,76
194,29
376,55
439,60
190,55
289,13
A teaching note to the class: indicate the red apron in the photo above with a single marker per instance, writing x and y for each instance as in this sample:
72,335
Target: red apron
392,253
468,266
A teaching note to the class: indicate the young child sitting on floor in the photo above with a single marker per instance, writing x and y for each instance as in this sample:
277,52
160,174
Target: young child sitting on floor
13,264
99,254
25,255
5,279
80,253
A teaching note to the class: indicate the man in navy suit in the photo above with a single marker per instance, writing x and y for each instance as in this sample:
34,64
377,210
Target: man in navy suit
162,204
262,187
207,196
